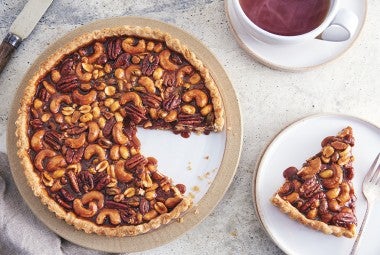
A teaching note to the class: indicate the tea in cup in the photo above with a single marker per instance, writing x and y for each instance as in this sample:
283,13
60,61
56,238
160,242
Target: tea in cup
294,21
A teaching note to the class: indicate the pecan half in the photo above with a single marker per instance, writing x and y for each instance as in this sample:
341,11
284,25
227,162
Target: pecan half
134,161
310,187
172,102
144,206
73,181
67,66
86,181
36,123
43,94
107,130
169,79
123,61
149,64
66,195
53,139
73,156
190,120
343,219
101,180
76,130
114,48
116,205
150,100
136,114
68,83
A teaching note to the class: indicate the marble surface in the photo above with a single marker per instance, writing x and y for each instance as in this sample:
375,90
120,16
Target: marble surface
269,99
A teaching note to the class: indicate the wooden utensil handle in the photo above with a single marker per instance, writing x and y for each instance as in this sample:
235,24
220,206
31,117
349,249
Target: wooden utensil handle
6,50
9,44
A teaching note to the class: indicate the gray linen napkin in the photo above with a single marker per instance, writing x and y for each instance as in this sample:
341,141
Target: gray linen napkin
20,231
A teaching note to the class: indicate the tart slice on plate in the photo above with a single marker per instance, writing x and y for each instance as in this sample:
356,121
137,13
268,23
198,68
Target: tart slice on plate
77,128
320,195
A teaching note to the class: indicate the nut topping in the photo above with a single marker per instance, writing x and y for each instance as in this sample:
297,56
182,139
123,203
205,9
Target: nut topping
82,128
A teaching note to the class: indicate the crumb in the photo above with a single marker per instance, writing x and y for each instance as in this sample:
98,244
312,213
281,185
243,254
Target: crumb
191,195
189,166
200,178
207,157
195,188
180,220
229,128
234,233
196,211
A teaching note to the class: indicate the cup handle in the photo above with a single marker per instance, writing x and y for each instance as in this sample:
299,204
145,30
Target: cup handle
342,27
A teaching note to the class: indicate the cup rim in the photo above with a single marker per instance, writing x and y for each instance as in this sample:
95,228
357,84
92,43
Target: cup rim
313,33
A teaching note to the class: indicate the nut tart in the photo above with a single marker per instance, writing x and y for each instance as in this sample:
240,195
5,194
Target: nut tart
321,194
77,127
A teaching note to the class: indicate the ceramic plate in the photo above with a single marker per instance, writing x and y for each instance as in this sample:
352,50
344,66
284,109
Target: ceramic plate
206,164
291,148
297,57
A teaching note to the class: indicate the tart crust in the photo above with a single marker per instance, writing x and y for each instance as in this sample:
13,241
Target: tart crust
293,213
22,125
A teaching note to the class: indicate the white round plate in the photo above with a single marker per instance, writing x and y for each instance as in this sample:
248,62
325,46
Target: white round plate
296,57
292,147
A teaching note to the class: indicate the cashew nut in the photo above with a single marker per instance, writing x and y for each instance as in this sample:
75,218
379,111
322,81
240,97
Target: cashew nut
117,133
98,51
128,47
132,70
200,97
188,109
82,76
80,210
55,162
36,141
93,131
93,196
41,156
94,149
172,116
206,110
311,169
115,152
131,96
120,172
84,99
113,215
148,84
56,101
49,88
165,61
76,143
344,195
181,73
336,179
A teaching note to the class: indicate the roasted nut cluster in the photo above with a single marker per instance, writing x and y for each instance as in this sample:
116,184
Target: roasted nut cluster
83,121
322,189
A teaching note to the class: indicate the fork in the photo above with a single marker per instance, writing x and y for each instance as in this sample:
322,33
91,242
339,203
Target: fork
371,191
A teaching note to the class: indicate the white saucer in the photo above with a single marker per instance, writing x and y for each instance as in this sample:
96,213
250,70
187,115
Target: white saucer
295,57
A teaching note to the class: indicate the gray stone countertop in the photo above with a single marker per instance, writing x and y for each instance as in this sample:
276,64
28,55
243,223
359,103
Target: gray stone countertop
269,99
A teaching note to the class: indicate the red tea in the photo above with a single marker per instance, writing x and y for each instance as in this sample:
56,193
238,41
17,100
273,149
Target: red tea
286,17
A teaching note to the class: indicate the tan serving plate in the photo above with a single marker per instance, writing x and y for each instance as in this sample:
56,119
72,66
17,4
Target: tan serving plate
194,216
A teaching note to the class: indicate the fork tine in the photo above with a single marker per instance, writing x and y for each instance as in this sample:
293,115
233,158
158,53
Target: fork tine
369,175
377,178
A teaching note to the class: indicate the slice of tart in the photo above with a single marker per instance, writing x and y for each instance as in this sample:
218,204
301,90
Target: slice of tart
321,195
77,129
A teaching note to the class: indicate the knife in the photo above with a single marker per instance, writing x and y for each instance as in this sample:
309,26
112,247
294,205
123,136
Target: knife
21,28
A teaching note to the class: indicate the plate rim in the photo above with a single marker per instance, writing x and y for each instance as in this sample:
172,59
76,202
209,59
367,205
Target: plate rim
279,67
216,191
270,143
